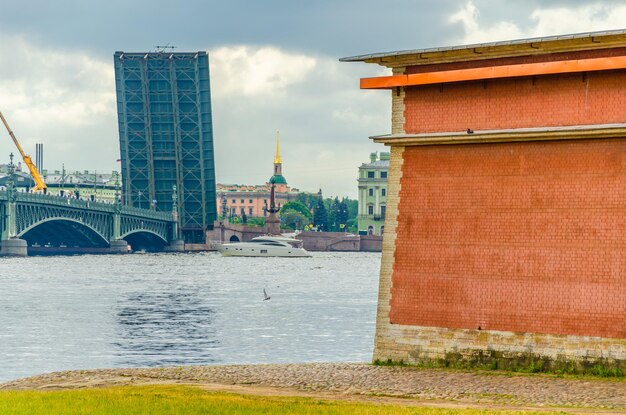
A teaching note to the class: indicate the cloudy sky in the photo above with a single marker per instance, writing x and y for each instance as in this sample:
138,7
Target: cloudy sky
274,66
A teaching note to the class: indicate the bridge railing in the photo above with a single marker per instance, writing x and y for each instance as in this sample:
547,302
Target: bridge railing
146,213
63,201
86,204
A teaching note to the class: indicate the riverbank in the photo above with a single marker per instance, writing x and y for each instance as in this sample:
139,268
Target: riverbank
361,382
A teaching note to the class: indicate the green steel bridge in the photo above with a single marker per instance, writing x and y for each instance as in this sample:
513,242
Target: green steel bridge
41,223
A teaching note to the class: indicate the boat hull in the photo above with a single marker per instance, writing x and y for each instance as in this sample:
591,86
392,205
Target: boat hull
240,249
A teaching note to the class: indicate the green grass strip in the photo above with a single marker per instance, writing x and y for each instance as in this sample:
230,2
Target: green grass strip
176,399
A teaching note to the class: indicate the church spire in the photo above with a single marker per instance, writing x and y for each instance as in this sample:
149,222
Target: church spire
277,157
278,165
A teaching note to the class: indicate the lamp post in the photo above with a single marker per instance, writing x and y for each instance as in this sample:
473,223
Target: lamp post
11,180
117,197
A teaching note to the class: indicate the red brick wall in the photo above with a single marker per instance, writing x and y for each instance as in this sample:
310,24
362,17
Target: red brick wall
525,237
551,100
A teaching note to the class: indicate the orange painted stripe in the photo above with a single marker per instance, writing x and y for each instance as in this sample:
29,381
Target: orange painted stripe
504,71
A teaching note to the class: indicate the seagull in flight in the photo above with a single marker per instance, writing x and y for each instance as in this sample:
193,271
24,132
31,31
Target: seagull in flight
265,296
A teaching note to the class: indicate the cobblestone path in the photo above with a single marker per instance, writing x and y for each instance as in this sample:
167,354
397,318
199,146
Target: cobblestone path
499,388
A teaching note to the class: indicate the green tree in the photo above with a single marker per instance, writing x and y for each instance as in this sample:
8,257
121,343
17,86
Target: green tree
353,208
320,216
255,221
298,207
345,213
293,219
308,199
353,225
342,217
333,209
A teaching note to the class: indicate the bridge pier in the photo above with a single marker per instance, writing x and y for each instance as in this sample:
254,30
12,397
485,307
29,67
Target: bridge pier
13,247
118,246
177,245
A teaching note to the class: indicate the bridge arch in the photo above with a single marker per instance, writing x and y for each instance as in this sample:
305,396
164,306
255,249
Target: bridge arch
60,231
144,239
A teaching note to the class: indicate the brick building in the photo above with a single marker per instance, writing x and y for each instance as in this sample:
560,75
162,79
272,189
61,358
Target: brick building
250,200
505,235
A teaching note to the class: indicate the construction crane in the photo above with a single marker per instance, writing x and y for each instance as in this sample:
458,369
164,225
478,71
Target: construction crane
40,185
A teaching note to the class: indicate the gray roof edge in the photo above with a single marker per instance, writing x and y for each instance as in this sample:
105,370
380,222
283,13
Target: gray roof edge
198,52
377,163
360,58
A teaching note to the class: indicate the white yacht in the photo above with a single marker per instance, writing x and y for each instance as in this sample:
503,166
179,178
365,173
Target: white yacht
265,246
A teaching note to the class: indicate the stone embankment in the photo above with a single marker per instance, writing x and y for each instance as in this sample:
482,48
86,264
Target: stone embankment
363,381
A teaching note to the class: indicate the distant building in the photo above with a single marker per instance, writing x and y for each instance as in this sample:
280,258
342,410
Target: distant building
373,194
254,200
251,200
166,135
23,182
4,168
102,187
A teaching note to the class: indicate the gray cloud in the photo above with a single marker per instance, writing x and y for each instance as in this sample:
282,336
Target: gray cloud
334,28
324,119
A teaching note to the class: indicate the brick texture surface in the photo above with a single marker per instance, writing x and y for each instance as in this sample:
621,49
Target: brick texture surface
518,237
550,100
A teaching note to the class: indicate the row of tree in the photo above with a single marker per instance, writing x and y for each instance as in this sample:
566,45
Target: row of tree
310,210
328,215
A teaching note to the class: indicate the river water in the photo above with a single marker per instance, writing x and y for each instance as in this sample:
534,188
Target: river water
80,312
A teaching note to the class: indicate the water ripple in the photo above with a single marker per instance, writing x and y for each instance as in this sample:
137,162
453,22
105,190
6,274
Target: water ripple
178,309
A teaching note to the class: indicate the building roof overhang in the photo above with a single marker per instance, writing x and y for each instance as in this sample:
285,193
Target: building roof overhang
494,72
489,50
578,132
